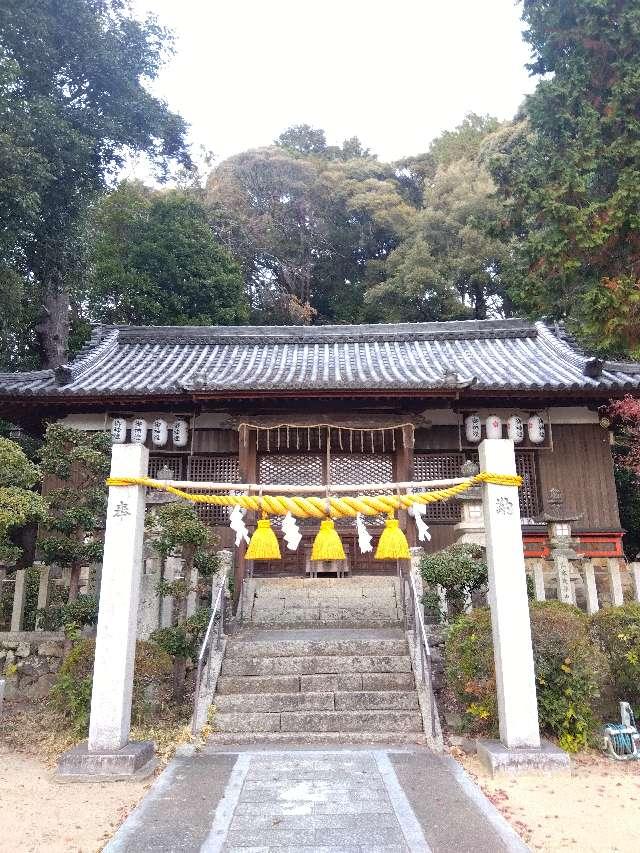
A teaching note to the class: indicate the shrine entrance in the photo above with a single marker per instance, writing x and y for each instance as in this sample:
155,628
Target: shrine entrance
326,455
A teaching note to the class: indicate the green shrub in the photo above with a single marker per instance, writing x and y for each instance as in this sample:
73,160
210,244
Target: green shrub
569,670
616,631
183,641
470,671
460,569
78,613
71,692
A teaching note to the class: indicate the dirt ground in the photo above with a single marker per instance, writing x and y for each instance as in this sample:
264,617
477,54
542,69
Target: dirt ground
595,809
39,815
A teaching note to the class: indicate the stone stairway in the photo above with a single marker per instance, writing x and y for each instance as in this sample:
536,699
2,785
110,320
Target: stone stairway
317,686
354,602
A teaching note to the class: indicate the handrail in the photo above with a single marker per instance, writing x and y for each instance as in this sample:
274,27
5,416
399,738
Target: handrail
205,648
420,638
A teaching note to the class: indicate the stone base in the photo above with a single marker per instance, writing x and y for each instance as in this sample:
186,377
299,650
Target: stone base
133,761
547,758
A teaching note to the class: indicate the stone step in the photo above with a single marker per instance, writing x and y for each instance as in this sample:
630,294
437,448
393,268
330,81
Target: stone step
314,738
318,665
377,700
312,613
315,683
304,648
320,721
240,703
289,621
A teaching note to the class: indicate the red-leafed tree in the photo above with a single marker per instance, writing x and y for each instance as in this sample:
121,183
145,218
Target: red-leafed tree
625,418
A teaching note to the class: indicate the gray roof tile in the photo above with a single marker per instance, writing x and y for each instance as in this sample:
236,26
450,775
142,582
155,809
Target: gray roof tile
497,355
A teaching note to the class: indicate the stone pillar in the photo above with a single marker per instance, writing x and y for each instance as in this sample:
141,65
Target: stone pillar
3,575
590,588
417,553
192,597
226,565
538,580
470,528
615,581
17,614
635,575
94,579
117,619
172,569
513,653
43,591
563,575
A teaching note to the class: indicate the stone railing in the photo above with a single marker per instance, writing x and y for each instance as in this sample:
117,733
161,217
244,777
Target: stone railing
589,583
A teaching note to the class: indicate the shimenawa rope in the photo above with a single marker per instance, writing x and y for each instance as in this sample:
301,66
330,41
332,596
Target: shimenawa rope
312,507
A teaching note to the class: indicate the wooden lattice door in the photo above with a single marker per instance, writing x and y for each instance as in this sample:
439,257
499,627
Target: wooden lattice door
310,469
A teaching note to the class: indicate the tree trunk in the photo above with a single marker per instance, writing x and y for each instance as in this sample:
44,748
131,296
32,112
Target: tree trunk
53,328
179,676
74,581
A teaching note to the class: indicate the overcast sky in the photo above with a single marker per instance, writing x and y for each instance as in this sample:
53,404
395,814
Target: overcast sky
394,73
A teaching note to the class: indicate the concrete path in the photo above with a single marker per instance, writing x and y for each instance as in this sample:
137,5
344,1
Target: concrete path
315,801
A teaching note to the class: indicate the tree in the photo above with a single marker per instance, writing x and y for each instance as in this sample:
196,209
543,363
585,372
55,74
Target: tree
74,102
176,528
79,461
305,225
625,420
571,171
312,141
19,504
450,266
153,259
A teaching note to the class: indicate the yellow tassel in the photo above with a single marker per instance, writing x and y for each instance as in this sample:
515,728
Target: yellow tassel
327,544
392,544
264,544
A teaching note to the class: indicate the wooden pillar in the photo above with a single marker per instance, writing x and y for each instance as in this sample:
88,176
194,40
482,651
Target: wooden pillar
403,472
248,465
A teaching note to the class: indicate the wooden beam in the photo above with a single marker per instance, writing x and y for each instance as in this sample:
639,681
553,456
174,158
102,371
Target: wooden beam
248,467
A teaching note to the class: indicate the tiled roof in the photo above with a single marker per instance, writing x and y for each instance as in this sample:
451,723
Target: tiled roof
498,355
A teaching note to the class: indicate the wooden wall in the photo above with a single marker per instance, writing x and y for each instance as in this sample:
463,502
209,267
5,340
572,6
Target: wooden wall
582,467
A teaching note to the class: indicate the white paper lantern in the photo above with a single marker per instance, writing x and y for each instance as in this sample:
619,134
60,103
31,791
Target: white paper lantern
139,428
180,433
515,429
473,428
493,426
536,429
119,430
159,432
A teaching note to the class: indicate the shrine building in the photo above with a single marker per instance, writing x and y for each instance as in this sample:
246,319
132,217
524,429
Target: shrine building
326,405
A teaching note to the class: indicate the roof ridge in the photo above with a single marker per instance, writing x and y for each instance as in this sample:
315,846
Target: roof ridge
338,329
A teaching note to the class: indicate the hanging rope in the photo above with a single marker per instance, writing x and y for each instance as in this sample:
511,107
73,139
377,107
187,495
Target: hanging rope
312,507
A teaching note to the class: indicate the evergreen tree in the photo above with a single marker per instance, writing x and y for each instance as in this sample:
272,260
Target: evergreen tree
571,171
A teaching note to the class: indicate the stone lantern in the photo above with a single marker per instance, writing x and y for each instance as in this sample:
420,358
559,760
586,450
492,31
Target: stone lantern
470,528
563,553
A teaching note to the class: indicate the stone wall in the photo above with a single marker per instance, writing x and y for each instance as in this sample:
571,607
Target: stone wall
29,661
